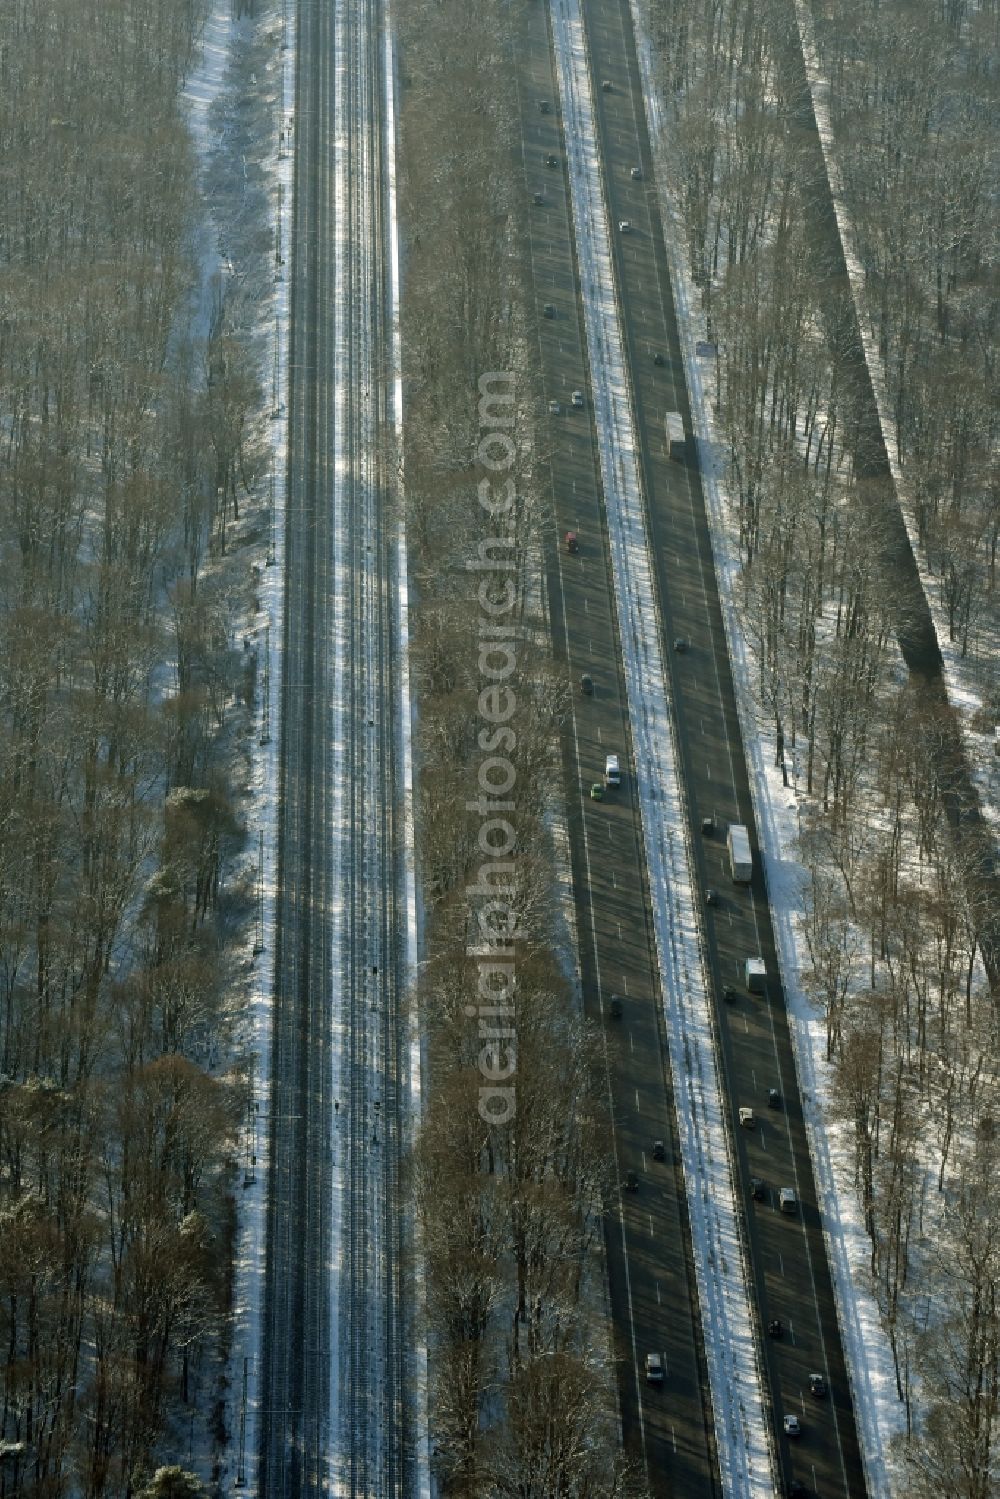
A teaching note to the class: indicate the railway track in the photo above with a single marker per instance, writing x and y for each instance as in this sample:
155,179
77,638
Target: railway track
294,1388
330,1398
371,1416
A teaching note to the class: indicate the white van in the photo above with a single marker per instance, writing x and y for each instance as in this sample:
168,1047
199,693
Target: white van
612,771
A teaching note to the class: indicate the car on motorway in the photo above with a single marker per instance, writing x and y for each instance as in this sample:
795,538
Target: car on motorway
616,1006
624,226
711,896
572,542
659,1151
549,310
606,85
631,1182
539,199
576,399
658,358
612,771
587,685
544,107
774,1328
554,408
787,1200
729,993
551,160
708,826
654,1368
792,1427
681,643
773,1098
637,174
746,1118
797,1490
757,1188
817,1385
596,791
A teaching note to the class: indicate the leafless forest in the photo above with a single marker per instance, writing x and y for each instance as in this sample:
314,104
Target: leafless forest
122,460
893,911
509,1217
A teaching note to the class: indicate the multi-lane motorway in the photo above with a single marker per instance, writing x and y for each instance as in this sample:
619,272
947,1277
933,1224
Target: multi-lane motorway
649,1278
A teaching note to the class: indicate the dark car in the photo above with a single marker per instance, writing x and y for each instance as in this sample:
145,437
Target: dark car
711,896
773,1098
544,107
681,643
549,309
774,1328
757,1188
729,993
551,161
616,1006
631,1182
817,1385
708,826
657,358
587,685
659,1151
539,199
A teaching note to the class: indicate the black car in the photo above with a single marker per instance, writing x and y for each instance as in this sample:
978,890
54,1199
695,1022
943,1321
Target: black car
817,1385
616,1007
757,1188
711,896
659,1151
551,161
587,685
774,1328
657,358
682,643
708,826
549,309
773,1098
539,199
631,1182
729,993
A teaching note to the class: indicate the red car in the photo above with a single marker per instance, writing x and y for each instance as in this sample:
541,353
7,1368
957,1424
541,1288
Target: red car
572,544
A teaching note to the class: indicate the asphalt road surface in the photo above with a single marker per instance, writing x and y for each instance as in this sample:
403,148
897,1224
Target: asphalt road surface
788,1255
668,1432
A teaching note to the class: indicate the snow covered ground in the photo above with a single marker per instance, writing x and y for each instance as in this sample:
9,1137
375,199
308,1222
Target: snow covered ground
742,1428
878,1412
963,692
209,85
206,87
419,1381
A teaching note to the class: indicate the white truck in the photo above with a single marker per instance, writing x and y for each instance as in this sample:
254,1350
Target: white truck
676,441
755,975
740,857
